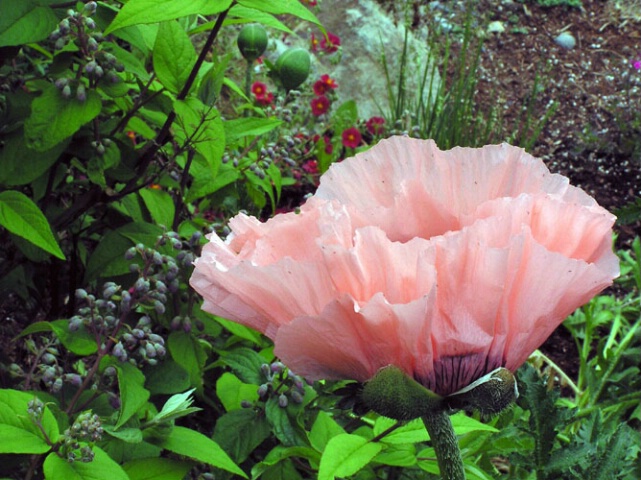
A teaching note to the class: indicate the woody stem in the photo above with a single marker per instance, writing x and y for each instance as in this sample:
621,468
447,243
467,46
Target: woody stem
448,453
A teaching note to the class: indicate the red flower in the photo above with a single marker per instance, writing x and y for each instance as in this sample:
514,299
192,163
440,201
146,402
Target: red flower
311,166
330,43
324,84
314,43
329,148
259,89
375,125
311,3
265,99
320,105
351,137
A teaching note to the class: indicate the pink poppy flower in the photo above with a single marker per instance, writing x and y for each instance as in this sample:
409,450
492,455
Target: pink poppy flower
446,264
320,105
351,137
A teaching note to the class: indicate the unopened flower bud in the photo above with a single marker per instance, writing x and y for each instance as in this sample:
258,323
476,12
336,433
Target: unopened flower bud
282,400
48,359
296,396
263,390
81,93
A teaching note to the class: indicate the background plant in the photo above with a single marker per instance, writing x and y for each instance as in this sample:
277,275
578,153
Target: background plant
124,140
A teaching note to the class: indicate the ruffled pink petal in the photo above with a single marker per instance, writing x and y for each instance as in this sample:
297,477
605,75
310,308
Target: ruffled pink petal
347,342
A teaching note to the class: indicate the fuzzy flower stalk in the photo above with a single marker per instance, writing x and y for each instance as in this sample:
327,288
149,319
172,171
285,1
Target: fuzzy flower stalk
428,275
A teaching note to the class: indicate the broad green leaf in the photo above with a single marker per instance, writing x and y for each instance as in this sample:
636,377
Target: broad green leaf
288,432
345,455
20,216
55,118
108,259
174,56
136,12
167,378
22,165
203,127
132,393
25,21
156,469
279,456
240,14
323,430
79,342
130,61
414,431
192,444
291,7
239,330
246,363
397,456
177,406
189,354
231,391
160,205
249,126
239,432
102,467
128,435
18,432
206,182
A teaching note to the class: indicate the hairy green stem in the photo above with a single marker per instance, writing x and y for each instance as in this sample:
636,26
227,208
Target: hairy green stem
448,453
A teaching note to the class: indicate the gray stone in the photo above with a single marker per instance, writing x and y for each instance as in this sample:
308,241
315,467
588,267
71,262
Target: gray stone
366,31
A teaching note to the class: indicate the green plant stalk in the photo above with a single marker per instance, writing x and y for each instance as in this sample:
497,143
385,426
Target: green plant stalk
560,372
445,443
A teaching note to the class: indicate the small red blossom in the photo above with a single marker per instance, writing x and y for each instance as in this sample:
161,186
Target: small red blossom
330,43
375,125
320,105
311,3
329,148
265,100
311,167
351,137
314,43
325,84
259,89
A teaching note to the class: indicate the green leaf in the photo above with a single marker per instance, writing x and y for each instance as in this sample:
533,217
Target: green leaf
160,205
189,354
291,7
202,127
205,182
156,469
22,165
249,126
246,363
25,21
128,435
192,444
102,467
18,432
239,432
176,406
22,217
132,393
231,391
136,12
55,118
174,56
414,430
323,430
80,342
345,455
252,15
167,378
285,429
279,456
397,456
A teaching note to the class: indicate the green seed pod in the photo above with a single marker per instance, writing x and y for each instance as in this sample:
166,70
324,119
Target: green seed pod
252,41
293,67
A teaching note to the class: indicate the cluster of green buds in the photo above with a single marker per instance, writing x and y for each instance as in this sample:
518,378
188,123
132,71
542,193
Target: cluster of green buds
77,440
280,383
140,345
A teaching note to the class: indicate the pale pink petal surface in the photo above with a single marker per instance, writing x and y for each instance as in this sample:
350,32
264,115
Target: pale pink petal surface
447,264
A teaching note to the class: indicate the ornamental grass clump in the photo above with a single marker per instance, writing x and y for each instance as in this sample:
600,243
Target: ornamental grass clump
416,270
